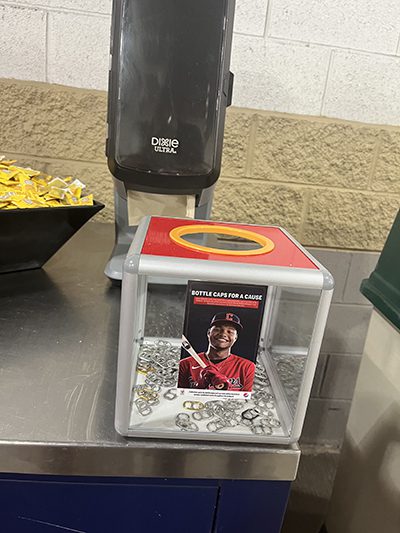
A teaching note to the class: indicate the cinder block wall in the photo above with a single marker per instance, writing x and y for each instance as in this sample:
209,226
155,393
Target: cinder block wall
331,183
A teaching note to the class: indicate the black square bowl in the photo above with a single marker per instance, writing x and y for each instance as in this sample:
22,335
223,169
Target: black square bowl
29,237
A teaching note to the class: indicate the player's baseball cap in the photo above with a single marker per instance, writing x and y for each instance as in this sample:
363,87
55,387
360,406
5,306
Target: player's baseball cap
227,317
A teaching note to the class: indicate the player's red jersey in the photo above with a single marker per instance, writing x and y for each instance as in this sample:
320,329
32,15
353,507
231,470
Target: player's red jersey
239,371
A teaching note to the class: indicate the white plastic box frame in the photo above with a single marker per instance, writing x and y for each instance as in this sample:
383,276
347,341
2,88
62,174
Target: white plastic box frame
288,354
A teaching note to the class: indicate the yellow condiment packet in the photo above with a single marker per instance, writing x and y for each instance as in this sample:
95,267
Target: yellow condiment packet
75,191
55,193
26,184
42,189
58,183
40,180
5,162
26,203
70,199
86,200
9,196
7,174
78,183
30,172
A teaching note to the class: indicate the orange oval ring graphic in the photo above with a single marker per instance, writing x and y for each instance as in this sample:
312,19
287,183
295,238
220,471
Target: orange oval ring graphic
266,244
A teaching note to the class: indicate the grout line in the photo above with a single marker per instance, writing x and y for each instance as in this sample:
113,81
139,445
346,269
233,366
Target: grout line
304,213
375,158
330,63
315,248
349,304
336,248
46,45
54,86
398,46
311,186
251,146
334,46
312,118
347,278
26,5
342,354
267,19
49,159
324,372
252,35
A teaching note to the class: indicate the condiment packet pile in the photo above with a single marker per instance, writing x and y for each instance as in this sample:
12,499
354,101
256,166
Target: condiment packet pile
24,188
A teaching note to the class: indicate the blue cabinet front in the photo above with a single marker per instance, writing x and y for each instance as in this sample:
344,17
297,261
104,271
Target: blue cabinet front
54,507
251,506
46,504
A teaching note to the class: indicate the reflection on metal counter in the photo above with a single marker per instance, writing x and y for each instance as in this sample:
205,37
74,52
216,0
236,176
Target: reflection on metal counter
169,86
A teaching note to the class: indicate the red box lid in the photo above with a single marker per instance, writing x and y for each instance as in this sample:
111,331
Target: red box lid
284,254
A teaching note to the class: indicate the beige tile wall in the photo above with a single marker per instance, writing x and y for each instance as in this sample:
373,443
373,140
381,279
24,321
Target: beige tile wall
331,183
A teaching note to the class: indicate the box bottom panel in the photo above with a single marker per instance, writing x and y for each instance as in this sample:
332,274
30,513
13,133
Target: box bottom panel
160,409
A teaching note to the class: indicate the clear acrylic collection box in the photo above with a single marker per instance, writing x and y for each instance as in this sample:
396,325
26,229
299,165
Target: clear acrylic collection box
218,284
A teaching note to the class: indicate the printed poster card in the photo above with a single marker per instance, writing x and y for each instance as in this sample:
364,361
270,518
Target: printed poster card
220,339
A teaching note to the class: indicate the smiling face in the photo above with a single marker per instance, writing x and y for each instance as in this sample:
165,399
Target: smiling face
222,336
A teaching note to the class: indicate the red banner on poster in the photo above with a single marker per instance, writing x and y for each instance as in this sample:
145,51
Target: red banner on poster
226,302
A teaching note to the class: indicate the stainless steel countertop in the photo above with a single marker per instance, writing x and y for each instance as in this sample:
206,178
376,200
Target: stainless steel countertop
58,355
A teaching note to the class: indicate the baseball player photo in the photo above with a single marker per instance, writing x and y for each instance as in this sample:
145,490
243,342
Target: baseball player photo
225,363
